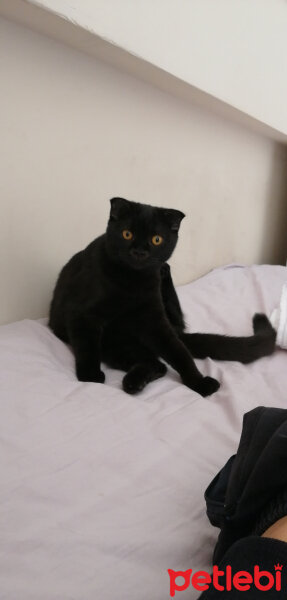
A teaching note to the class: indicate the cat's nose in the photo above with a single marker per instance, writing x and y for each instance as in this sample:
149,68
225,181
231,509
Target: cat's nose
139,254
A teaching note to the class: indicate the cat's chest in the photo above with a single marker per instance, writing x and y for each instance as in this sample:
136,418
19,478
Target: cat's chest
126,296
133,294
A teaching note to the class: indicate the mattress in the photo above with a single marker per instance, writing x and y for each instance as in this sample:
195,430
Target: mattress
102,492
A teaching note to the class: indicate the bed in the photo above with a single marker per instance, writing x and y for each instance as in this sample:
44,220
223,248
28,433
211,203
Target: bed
102,492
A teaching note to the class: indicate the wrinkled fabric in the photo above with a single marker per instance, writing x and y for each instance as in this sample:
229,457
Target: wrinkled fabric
101,492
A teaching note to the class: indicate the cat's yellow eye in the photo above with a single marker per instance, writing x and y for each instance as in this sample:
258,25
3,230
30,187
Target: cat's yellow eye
157,240
127,235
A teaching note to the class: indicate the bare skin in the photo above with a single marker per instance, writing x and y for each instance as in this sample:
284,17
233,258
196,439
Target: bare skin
277,531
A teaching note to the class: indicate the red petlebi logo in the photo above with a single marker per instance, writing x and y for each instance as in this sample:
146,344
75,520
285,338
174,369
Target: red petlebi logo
225,580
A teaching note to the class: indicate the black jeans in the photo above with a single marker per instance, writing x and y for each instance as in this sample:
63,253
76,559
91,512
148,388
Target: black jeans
246,497
251,554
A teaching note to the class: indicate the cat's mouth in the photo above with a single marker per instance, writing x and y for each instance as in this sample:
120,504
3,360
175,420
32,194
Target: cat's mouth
139,264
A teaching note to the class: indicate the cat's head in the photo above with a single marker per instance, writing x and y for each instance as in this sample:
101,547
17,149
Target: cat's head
141,236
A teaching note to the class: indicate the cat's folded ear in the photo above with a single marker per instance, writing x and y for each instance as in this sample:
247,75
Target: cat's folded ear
174,218
118,206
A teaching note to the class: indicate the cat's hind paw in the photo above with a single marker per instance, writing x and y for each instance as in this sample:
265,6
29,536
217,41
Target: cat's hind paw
132,385
141,374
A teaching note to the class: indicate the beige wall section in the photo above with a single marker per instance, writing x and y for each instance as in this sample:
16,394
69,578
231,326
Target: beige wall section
75,132
232,49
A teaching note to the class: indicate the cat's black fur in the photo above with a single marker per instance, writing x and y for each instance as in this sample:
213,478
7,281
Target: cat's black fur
115,302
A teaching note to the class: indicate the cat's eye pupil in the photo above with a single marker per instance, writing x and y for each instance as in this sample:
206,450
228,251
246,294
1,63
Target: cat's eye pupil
127,235
156,240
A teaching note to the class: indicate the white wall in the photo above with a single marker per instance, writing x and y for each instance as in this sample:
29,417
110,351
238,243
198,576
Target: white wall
75,132
235,50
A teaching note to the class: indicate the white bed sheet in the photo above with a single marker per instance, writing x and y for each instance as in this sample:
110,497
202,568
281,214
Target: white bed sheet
101,492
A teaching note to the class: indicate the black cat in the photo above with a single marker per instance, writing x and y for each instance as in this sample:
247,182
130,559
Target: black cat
115,302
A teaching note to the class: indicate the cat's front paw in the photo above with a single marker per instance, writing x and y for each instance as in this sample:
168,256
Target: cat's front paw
205,386
86,373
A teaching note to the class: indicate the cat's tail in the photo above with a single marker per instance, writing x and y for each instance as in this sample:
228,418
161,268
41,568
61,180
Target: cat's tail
262,325
240,349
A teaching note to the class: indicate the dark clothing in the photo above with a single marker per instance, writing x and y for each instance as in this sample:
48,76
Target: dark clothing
246,497
243,556
250,479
